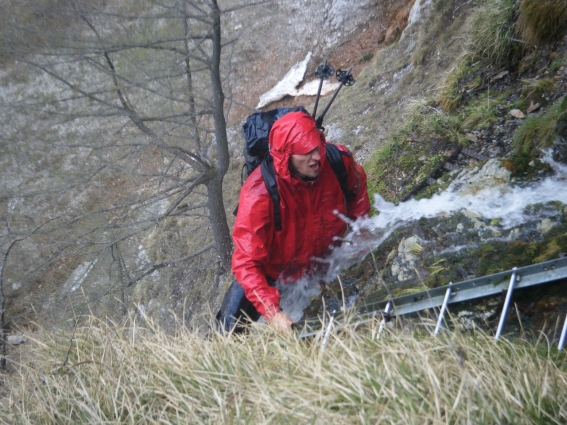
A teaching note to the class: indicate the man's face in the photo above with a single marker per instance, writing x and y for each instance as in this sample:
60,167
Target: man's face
308,165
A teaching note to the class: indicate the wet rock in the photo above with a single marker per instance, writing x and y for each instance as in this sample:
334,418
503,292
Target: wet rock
560,146
469,320
406,263
491,175
516,113
15,339
546,225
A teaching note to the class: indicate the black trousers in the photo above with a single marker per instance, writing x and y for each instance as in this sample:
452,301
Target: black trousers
236,310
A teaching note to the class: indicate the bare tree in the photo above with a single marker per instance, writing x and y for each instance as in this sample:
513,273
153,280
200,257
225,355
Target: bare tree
133,128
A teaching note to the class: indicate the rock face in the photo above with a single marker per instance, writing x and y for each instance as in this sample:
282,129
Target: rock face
295,28
343,17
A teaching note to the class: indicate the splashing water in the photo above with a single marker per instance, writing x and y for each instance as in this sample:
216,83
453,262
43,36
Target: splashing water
500,200
295,297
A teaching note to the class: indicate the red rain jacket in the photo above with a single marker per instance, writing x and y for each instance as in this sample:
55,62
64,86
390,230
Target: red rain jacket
308,210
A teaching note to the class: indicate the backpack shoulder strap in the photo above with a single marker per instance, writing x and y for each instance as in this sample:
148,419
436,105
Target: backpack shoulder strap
335,158
269,176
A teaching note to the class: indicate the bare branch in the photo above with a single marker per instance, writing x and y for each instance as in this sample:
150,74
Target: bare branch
155,267
243,6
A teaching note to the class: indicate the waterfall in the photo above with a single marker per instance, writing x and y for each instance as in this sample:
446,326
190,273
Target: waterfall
471,191
505,202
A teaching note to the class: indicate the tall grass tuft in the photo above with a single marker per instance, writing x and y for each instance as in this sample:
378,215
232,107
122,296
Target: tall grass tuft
540,131
542,21
450,94
492,30
137,374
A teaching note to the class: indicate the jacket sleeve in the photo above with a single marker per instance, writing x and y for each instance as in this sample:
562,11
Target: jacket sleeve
252,236
359,205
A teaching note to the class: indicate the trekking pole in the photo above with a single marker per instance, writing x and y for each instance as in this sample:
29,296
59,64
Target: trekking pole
323,72
345,79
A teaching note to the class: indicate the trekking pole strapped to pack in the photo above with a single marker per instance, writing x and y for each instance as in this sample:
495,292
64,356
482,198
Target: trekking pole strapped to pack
345,78
324,72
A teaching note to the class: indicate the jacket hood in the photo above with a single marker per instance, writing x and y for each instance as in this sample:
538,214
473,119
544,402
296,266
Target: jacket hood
294,134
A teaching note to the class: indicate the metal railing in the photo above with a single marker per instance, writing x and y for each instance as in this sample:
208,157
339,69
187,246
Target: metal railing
517,278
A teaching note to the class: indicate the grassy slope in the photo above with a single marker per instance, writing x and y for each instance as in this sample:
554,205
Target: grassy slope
137,374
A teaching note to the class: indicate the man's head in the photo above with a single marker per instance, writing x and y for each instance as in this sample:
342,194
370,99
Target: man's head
297,146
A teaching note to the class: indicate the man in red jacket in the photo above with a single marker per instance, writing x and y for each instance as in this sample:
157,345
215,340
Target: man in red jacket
311,205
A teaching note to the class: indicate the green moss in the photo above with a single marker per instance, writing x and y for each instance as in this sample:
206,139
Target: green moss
400,292
414,153
450,94
554,244
535,91
439,273
556,65
529,62
537,132
525,165
497,256
480,113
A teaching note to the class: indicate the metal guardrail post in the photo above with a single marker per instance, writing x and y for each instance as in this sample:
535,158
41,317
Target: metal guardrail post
563,335
328,330
443,308
506,303
383,322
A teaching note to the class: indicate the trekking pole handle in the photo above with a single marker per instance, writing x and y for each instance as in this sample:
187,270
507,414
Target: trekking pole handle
324,72
345,78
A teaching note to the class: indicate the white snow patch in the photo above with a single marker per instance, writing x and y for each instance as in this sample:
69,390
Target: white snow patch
288,85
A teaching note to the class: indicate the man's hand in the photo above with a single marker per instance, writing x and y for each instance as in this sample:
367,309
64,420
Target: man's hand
281,322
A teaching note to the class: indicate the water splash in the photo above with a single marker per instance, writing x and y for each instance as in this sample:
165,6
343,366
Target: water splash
503,201
295,297
485,193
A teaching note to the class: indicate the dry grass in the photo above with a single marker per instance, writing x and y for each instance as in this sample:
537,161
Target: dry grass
542,21
450,94
138,374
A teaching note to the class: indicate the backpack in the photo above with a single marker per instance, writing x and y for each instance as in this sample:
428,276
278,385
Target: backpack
256,153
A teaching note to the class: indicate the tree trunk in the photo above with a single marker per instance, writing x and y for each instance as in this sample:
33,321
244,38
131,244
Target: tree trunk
219,225
216,203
